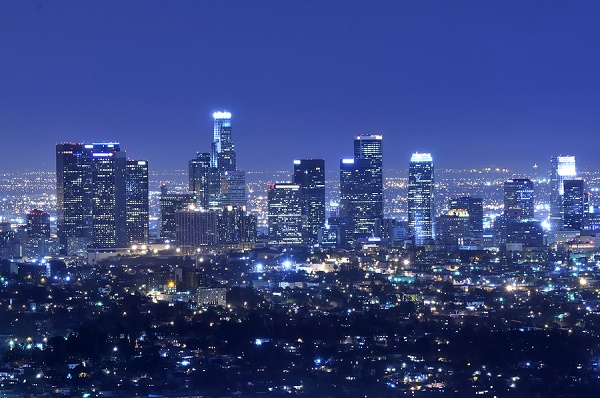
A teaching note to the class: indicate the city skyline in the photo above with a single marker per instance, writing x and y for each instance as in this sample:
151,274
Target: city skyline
461,81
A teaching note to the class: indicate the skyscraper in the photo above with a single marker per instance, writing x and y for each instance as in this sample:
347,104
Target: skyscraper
370,146
214,178
358,202
309,174
518,199
574,204
233,188
223,150
517,224
95,197
196,227
474,208
285,214
108,195
73,197
199,178
421,199
561,168
169,205
136,201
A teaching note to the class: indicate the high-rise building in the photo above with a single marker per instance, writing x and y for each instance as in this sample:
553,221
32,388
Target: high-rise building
561,168
517,224
236,226
233,188
574,204
453,228
370,146
474,208
223,150
108,195
200,179
97,190
421,199
38,224
195,228
136,201
285,214
73,197
213,177
518,199
169,204
358,202
309,174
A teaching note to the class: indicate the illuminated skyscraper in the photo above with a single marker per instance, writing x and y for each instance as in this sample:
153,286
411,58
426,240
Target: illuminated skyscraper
309,174
421,199
358,202
200,179
73,197
98,204
213,177
561,168
518,199
370,146
361,188
223,150
136,201
574,204
285,214
109,220
474,208
169,205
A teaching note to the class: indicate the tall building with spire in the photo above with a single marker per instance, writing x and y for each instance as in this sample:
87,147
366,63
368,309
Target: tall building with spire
223,150
421,198
214,179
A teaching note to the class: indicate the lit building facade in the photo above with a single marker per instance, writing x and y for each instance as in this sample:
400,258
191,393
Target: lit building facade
202,180
195,228
309,174
519,199
370,147
236,226
136,202
169,204
38,224
574,205
474,208
284,214
102,199
73,197
223,155
561,168
358,203
421,199
233,188
108,195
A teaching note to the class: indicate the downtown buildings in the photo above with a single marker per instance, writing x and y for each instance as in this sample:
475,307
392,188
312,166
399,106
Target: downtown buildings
214,213
102,197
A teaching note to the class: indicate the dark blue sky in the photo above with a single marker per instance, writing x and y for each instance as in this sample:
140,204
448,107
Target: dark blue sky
475,83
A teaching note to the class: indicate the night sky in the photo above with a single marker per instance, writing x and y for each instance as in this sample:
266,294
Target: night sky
475,83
